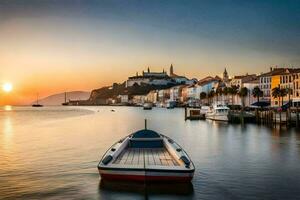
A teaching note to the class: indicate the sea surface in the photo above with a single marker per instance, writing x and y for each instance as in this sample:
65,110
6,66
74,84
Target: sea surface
53,152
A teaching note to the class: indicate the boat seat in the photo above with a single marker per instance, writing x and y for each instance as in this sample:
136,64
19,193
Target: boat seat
146,143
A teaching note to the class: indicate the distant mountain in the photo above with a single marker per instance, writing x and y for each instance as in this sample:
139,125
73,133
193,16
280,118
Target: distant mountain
58,99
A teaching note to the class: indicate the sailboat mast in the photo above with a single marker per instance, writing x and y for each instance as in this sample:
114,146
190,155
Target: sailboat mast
37,98
65,97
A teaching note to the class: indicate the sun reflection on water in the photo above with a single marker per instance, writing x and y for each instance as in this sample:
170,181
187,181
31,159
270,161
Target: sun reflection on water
7,133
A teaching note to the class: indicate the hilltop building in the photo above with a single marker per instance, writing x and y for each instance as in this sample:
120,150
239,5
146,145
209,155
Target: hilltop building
225,76
157,78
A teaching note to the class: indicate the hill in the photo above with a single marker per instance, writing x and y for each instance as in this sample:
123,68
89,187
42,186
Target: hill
58,99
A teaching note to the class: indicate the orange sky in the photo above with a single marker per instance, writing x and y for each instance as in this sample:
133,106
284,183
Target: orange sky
50,48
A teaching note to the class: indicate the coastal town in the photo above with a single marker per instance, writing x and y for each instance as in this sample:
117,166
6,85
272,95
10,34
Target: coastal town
271,97
278,87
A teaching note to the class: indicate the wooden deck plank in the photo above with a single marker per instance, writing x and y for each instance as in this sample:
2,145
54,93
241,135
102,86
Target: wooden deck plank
156,157
125,157
162,158
142,157
169,158
135,157
150,156
153,156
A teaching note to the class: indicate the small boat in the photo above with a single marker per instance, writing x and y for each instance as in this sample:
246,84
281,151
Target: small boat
219,112
171,104
37,102
147,106
146,156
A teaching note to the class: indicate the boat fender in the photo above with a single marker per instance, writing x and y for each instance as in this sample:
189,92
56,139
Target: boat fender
113,149
185,160
107,159
171,141
178,149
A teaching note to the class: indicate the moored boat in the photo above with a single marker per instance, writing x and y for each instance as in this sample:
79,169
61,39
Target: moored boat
37,102
219,112
146,156
147,106
171,104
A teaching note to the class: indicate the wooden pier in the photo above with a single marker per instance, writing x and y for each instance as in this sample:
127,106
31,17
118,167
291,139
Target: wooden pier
288,118
193,114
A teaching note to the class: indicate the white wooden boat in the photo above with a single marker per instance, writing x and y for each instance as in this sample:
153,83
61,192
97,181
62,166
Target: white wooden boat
219,112
146,156
147,106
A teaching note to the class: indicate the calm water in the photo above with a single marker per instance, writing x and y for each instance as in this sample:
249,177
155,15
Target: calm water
53,152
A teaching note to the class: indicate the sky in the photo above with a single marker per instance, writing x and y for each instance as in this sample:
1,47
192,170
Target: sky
52,46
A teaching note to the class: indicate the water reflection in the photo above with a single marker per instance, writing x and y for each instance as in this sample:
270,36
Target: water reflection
7,133
7,108
53,152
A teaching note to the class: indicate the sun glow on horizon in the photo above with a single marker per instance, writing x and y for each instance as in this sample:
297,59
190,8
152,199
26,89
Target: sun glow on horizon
7,87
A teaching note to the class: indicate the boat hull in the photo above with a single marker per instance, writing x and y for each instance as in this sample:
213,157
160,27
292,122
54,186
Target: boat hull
146,176
217,117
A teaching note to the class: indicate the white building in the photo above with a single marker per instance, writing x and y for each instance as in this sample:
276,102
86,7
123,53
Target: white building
138,99
206,85
176,93
123,98
240,80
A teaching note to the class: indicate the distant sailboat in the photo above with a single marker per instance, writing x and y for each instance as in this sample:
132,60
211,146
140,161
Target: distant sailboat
65,103
37,102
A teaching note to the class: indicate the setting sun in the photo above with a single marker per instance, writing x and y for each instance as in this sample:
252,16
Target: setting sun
7,87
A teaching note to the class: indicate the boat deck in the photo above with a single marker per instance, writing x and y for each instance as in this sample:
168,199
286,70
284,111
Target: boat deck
149,156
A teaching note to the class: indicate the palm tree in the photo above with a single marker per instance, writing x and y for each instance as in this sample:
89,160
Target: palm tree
257,93
233,90
219,91
276,93
243,93
203,95
210,95
289,91
283,93
225,92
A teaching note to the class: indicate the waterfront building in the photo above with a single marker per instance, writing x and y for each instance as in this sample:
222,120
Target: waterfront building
206,85
191,92
152,96
123,98
240,80
296,88
176,93
139,99
265,83
287,78
184,94
163,95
